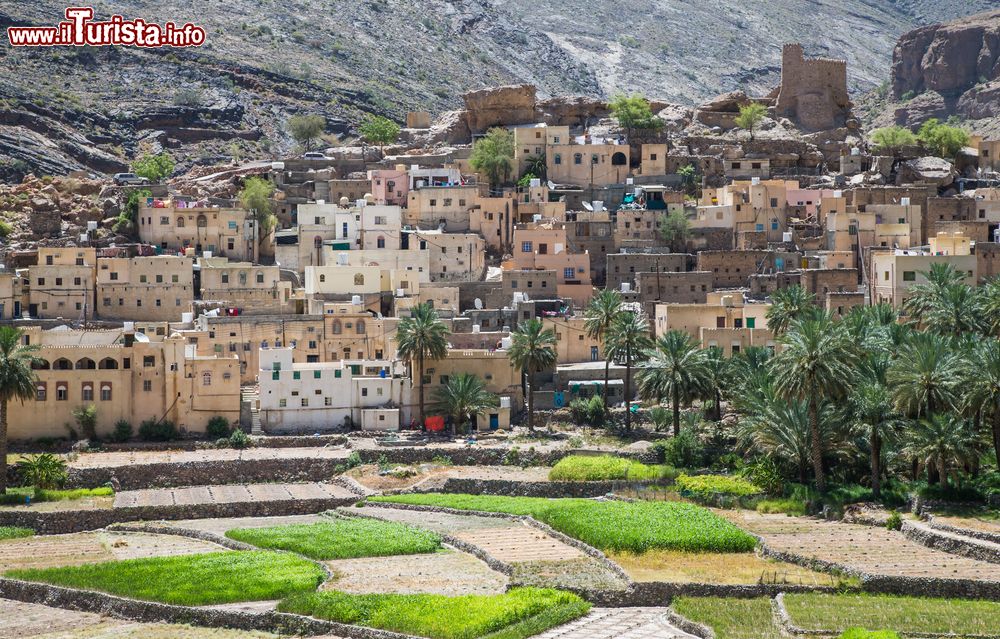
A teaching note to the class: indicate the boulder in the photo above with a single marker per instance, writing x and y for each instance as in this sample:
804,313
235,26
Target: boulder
500,106
451,127
927,169
573,110
727,102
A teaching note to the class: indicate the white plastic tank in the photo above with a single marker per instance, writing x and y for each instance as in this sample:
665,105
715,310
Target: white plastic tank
505,402
786,236
187,317
277,166
755,181
626,287
475,328
400,292
207,255
356,300
518,297
505,342
904,201
91,225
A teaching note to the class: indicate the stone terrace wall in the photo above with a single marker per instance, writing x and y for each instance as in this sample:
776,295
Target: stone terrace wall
68,521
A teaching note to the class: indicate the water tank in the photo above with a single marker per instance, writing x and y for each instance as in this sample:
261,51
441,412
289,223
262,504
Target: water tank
505,402
207,255
84,237
187,318
996,235
277,166
342,259
904,201
344,202
505,342
838,194
128,327
369,198
755,181
475,328
356,300
537,217
786,236
535,182
91,226
518,297
855,151
400,292
598,205
414,167
321,202
626,287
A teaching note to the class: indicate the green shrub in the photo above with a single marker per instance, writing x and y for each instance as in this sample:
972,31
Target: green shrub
239,440
152,430
342,539
793,507
861,633
86,419
894,522
190,580
6,228
715,489
683,451
218,427
764,474
42,471
588,412
440,616
605,468
13,532
609,525
122,432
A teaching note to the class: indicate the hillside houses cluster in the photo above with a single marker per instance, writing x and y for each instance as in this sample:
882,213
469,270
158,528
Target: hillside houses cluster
207,315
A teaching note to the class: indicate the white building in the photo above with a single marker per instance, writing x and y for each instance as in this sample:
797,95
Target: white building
331,395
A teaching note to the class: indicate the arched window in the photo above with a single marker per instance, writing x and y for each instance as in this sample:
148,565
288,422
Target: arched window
85,364
317,242
105,392
359,279
202,221
260,277
108,364
87,392
578,158
62,364
619,159
180,221
336,327
361,327
380,242
322,277
243,278
558,158
40,365
206,379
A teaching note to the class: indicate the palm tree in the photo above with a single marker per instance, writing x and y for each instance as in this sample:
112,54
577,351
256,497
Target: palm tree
924,296
788,305
781,428
815,365
17,382
420,337
600,314
532,350
718,375
463,397
872,409
941,442
989,301
536,165
628,343
982,386
678,369
924,375
953,311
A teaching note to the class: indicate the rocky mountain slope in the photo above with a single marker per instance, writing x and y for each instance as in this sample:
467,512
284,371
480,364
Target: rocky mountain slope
944,70
65,108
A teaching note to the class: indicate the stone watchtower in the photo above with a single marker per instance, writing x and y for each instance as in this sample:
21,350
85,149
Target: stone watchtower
812,92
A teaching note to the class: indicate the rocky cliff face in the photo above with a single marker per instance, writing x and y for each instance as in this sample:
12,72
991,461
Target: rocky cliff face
944,70
265,60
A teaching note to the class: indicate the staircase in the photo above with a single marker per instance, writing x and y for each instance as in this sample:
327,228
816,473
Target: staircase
251,395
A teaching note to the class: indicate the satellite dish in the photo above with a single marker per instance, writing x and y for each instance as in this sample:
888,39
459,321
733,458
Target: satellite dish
478,303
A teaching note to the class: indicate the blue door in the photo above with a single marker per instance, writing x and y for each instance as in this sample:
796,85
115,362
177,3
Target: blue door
494,421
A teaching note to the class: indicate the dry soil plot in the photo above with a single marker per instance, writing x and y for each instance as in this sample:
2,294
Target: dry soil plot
618,623
446,573
715,568
229,494
441,523
370,476
88,548
971,523
219,526
34,621
140,457
87,503
864,548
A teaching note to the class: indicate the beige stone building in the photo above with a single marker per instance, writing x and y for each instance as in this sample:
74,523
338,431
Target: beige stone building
62,283
441,206
452,257
224,232
253,289
894,273
125,376
159,288
593,164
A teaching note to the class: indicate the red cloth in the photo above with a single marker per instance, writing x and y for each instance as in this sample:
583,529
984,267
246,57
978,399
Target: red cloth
434,424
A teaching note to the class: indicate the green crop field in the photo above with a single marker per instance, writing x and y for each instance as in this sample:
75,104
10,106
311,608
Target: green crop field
341,539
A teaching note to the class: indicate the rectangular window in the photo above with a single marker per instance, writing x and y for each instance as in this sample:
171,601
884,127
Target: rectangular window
328,401
62,394
317,375
526,247
275,375
282,403
305,402
87,393
105,392
337,374
569,272
40,394
909,276
296,375
147,385
751,322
